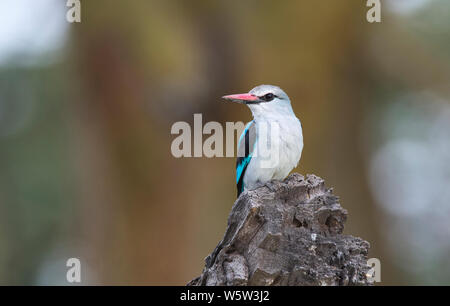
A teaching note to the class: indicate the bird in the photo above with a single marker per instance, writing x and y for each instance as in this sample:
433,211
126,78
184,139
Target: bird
271,144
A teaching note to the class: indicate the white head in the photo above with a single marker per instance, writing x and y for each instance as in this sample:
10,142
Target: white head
264,101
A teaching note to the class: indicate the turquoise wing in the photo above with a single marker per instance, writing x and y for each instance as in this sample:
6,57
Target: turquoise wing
245,150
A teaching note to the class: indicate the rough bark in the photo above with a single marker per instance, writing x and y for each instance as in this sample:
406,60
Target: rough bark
287,233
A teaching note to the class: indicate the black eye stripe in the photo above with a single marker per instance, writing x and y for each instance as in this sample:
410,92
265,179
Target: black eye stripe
268,97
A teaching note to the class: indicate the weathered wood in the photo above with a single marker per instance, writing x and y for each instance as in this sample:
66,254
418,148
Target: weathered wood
287,233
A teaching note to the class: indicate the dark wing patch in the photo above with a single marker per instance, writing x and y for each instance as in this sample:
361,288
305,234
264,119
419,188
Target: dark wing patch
245,150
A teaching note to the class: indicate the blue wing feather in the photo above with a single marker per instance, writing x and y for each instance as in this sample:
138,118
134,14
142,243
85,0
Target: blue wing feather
242,162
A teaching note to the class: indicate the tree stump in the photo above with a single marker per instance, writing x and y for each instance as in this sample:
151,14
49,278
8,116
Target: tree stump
287,233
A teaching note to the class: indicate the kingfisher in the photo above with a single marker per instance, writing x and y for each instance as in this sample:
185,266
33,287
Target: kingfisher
271,144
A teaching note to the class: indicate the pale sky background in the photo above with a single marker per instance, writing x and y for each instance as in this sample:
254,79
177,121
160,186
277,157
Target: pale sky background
32,29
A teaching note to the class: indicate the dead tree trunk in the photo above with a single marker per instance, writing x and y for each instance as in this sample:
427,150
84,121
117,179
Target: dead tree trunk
287,233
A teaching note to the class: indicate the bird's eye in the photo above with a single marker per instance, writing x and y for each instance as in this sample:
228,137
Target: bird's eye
268,97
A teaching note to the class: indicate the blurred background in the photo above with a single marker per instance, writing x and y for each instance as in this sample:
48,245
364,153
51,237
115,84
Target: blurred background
86,109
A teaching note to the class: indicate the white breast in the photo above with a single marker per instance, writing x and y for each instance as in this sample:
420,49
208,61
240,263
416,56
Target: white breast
276,156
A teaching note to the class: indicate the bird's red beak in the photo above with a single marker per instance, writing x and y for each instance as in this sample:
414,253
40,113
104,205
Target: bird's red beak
241,98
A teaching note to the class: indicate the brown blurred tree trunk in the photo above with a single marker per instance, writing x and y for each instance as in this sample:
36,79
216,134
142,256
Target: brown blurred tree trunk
135,227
